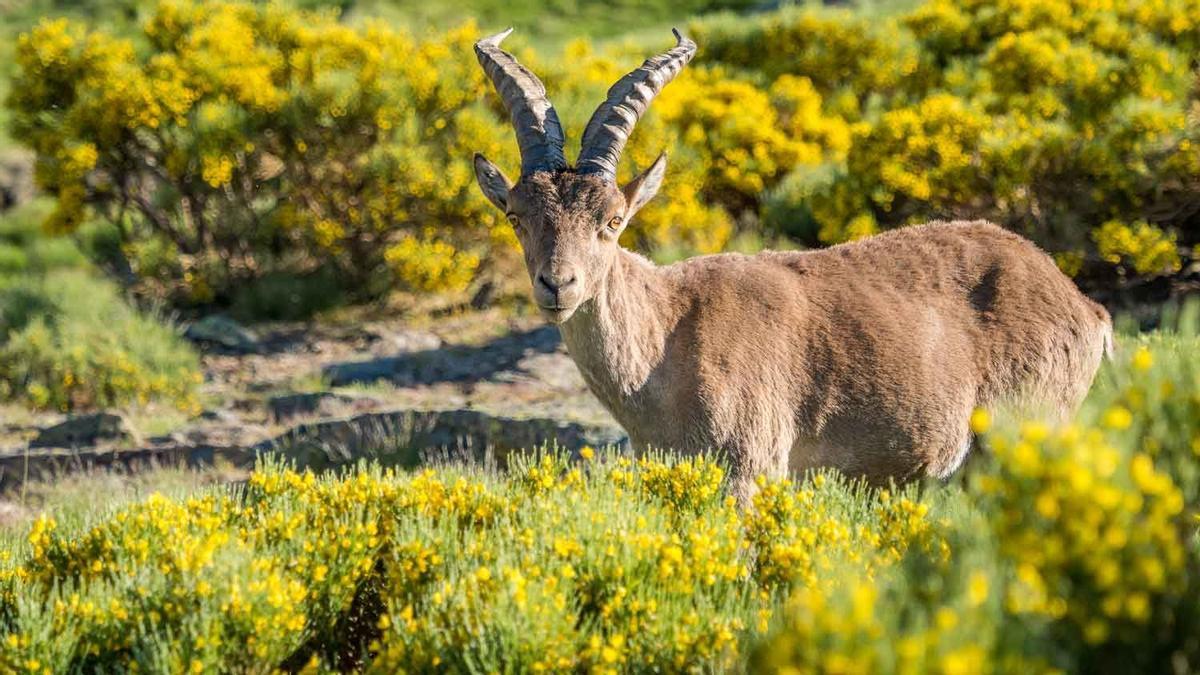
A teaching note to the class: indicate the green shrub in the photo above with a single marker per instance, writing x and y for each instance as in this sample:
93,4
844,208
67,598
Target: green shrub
13,260
21,226
787,208
25,248
287,297
68,340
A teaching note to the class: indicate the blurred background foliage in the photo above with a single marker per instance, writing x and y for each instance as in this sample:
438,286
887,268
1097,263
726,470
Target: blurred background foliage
225,141
209,155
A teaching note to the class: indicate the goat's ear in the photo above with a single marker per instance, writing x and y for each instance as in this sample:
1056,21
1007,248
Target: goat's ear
641,189
492,181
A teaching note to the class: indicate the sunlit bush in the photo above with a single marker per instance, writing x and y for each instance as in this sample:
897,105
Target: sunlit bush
1051,118
842,53
610,565
229,141
1143,246
1077,552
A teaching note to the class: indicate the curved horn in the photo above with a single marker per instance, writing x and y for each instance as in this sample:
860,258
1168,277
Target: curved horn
539,133
606,133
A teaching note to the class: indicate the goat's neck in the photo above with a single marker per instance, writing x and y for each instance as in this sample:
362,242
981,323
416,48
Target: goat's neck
619,337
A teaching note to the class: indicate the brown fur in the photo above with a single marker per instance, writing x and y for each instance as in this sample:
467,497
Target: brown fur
868,356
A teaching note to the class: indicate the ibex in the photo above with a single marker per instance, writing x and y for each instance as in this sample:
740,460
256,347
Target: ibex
869,356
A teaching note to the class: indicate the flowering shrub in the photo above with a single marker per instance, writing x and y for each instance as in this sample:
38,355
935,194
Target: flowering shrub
69,339
1092,536
1066,548
1143,246
841,52
610,565
228,141
1051,118
231,140
1079,549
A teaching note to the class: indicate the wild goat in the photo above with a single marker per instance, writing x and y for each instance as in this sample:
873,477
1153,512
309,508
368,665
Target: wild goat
868,357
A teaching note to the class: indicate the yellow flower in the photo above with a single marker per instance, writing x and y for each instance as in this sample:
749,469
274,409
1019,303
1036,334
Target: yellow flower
1118,418
1142,359
977,589
981,421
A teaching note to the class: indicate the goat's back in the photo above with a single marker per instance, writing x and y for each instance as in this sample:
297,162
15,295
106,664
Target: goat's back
879,349
1029,330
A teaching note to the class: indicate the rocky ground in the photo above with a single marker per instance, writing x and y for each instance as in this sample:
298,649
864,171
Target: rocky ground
475,382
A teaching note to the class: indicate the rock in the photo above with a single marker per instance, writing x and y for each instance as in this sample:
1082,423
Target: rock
173,438
82,431
220,415
448,364
555,371
237,435
225,333
323,403
16,178
485,296
405,342
402,437
408,437
341,374
51,464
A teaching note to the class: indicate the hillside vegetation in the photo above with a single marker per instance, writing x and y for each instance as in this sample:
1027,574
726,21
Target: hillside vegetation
282,160
227,141
1067,548
69,340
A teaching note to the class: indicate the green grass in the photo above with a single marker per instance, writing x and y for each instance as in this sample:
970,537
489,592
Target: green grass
551,24
72,342
6,57
70,339
78,499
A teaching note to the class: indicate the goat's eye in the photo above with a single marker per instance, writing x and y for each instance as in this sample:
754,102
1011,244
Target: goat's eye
516,222
615,223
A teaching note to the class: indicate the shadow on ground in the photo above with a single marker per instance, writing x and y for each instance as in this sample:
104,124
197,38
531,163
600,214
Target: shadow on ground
463,364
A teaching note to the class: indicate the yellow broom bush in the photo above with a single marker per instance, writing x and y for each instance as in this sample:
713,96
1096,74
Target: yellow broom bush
1063,548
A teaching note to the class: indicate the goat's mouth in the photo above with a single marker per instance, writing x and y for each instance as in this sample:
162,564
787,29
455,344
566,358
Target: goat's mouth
557,313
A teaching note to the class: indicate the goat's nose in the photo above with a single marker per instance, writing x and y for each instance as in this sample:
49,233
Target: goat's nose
555,285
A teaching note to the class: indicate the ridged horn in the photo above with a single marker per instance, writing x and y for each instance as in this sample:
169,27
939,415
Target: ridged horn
610,126
539,133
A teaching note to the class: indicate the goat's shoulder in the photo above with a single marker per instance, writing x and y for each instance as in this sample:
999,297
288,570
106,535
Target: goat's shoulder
735,289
